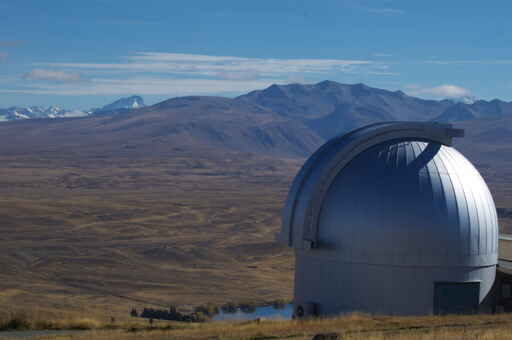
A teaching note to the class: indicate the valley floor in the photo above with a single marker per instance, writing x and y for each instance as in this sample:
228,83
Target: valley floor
105,234
101,233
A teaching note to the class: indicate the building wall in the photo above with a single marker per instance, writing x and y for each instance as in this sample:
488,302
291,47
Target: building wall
336,287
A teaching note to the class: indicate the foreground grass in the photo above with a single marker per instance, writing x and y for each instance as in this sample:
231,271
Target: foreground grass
34,321
354,326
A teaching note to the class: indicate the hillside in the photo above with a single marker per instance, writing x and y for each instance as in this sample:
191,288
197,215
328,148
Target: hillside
479,109
318,100
180,202
281,120
330,108
187,122
57,112
102,233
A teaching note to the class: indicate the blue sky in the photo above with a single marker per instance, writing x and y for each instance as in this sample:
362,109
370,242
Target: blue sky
82,54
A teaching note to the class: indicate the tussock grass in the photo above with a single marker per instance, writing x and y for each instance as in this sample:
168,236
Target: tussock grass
22,320
16,321
355,326
35,320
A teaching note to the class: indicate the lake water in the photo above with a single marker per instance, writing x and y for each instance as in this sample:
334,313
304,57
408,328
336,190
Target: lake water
267,312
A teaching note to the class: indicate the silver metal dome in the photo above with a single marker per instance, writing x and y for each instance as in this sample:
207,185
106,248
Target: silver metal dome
382,216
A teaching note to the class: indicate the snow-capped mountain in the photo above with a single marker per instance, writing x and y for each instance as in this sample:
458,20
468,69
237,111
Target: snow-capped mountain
31,112
133,102
54,111
465,100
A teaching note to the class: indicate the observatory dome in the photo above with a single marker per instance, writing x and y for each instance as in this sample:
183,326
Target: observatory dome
409,203
391,219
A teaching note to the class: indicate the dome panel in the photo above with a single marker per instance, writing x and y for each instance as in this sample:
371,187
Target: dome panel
408,202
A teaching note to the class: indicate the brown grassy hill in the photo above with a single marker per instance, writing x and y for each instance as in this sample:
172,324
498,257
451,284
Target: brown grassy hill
87,233
187,122
175,203
146,207
282,120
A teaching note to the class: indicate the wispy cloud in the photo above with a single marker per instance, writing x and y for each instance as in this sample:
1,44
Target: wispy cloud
441,91
213,66
51,75
482,62
387,10
146,86
382,55
155,73
370,7
3,56
383,73
128,22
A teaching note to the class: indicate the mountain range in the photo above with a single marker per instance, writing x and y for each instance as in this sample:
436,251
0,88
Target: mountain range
54,111
329,107
284,120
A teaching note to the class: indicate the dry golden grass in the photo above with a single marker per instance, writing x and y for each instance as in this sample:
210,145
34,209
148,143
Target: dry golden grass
29,321
22,320
354,326
88,232
103,235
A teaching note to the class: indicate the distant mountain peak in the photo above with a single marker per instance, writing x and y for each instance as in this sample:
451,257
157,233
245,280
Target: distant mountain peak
327,83
292,119
132,102
31,112
56,111
274,90
456,112
464,100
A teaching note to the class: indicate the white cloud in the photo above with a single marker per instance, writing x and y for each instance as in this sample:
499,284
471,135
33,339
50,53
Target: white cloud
383,73
382,55
394,11
212,66
368,7
442,91
173,74
461,62
148,86
3,56
52,75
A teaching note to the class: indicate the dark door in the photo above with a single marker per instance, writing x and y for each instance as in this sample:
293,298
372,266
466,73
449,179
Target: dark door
456,297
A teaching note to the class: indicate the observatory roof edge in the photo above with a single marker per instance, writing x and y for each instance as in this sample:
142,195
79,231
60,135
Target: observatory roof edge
331,157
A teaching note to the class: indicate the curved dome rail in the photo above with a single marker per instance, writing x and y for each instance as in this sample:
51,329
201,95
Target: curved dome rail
305,198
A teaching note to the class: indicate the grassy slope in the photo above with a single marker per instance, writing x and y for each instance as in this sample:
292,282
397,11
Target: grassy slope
354,326
80,234
89,232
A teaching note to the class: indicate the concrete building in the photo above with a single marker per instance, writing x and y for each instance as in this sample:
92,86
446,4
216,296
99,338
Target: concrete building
390,219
